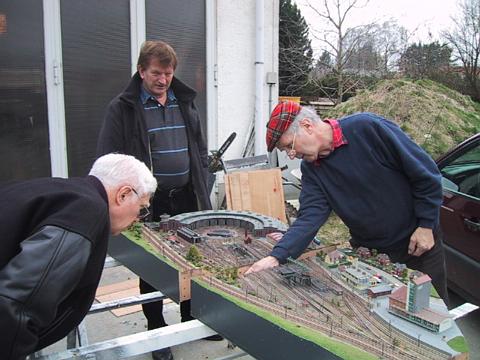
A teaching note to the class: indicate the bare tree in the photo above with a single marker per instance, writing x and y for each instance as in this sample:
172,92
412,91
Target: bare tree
340,40
391,40
465,41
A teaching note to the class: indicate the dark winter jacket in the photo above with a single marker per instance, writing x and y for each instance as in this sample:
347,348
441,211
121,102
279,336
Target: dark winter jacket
124,130
381,184
54,235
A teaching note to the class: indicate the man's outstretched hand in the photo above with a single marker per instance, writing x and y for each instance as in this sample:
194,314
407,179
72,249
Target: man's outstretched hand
262,264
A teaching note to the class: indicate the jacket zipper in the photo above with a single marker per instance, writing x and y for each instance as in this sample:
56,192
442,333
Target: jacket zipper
150,154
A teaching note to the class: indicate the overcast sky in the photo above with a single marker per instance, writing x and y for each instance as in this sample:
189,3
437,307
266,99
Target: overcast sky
426,16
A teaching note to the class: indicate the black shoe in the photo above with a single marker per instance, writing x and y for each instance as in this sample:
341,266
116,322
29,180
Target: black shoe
187,318
215,337
162,354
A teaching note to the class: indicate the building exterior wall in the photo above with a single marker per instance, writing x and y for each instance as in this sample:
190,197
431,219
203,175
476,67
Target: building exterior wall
230,98
235,76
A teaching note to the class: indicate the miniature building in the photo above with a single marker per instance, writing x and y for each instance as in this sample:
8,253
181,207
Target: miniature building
363,252
418,293
380,290
164,222
398,269
333,258
189,235
303,279
221,233
412,304
383,259
287,274
256,224
357,278
293,276
275,236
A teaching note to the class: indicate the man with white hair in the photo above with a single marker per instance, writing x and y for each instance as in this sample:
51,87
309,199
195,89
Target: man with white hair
54,235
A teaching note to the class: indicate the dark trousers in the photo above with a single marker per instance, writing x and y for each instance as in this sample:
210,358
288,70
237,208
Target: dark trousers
172,202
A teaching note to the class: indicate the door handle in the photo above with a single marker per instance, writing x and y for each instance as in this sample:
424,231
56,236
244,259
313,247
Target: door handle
471,225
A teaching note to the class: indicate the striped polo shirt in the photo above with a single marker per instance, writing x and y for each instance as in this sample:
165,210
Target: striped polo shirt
168,140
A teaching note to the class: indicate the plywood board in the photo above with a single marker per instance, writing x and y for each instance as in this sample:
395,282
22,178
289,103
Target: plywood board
119,291
260,191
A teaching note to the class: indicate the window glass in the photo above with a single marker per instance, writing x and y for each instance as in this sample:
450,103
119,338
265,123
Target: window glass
24,145
462,174
96,68
181,23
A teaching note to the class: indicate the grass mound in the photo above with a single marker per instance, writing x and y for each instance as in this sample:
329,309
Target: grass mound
434,116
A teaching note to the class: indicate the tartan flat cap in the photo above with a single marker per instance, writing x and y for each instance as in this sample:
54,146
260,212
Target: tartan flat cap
281,118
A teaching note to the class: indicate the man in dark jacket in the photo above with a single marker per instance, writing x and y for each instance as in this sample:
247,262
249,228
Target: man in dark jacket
155,120
54,235
384,187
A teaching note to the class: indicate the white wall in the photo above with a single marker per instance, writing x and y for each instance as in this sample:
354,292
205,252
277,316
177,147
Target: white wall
235,69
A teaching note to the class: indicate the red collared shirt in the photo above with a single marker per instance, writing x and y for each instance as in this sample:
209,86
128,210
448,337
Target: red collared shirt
338,138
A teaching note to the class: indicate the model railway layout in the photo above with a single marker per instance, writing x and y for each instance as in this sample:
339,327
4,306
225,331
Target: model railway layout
316,292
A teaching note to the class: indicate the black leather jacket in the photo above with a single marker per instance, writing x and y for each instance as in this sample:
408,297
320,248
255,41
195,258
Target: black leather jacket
54,239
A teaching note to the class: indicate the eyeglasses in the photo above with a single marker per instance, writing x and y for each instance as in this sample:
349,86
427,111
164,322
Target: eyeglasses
144,212
292,152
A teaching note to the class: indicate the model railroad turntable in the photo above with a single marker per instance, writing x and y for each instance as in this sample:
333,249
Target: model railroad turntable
331,304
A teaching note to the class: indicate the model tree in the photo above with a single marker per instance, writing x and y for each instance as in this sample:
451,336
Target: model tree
194,256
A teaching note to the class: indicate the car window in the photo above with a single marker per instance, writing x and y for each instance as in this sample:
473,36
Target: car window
462,173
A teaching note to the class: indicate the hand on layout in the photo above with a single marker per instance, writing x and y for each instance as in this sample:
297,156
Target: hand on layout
421,241
262,264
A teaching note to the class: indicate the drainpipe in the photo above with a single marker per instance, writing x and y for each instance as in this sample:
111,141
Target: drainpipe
260,132
271,81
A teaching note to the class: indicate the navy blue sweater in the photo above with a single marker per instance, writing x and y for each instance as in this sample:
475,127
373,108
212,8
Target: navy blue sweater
381,184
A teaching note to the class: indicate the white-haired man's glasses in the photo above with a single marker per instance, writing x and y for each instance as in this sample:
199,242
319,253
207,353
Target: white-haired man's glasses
144,212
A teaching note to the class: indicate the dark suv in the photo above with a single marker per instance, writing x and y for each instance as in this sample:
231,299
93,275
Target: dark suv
460,217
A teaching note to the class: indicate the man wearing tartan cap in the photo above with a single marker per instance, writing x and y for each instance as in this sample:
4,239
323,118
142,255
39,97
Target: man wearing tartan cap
384,187
281,118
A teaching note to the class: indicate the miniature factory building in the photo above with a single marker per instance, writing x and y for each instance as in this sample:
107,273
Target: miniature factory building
356,277
412,303
295,277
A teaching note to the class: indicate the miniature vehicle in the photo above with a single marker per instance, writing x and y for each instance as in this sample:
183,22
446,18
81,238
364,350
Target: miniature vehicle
460,217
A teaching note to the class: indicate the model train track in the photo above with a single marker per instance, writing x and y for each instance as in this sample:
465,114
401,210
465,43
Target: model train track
316,307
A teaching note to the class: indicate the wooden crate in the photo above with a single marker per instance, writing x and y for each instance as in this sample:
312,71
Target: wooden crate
260,191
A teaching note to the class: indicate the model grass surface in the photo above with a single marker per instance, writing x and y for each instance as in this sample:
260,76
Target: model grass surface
345,351
458,344
137,238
